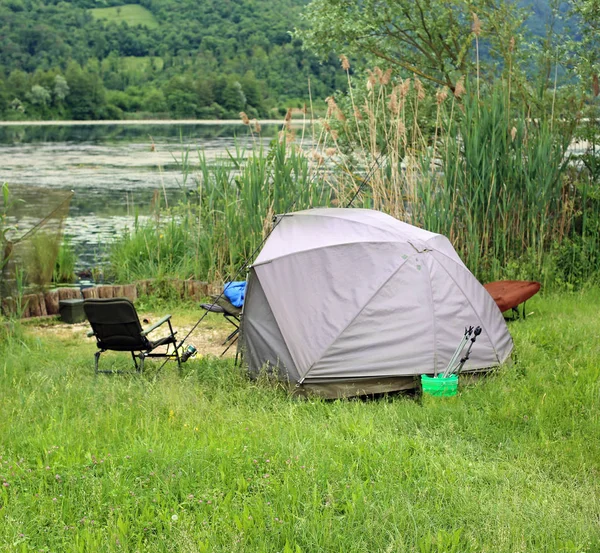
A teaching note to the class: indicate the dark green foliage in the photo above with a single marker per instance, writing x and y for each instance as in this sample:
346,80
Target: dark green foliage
207,59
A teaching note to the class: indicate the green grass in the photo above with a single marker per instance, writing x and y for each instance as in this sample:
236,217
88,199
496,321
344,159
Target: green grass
208,461
132,14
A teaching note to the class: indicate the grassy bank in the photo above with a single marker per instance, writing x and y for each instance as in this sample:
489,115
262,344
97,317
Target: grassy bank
208,461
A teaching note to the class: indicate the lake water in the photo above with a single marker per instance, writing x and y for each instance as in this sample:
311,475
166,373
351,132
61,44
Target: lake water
114,170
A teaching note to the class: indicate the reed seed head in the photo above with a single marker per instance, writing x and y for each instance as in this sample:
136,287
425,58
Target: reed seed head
401,128
244,118
379,75
345,62
330,152
331,105
420,89
386,77
372,80
393,105
595,85
459,89
404,88
441,96
476,27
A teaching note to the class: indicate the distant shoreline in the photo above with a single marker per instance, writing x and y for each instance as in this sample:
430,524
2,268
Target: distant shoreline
145,122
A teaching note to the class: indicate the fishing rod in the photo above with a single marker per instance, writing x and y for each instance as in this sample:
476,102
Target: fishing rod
457,352
476,333
366,179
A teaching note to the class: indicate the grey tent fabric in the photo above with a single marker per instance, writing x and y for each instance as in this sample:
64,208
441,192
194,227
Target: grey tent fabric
342,296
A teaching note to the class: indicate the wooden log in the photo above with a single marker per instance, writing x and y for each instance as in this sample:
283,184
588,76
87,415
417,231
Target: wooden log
8,306
105,291
203,289
69,293
188,289
25,306
117,291
42,305
141,287
214,289
33,304
89,293
178,286
197,290
52,301
130,292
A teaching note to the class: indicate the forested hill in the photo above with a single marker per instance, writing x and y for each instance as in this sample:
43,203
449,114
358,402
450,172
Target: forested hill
92,59
177,58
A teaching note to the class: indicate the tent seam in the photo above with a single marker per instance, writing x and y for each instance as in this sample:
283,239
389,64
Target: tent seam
483,328
433,319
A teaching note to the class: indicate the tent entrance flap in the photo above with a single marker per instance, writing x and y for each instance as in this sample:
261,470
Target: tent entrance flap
263,345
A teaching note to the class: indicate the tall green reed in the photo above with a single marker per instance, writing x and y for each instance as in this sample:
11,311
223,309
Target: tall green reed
501,190
225,215
477,165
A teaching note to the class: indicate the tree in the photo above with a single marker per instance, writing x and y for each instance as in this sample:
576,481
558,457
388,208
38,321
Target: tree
39,95
587,48
233,97
86,97
61,88
154,102
430,38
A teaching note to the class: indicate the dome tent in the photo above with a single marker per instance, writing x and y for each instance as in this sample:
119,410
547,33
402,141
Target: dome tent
353,301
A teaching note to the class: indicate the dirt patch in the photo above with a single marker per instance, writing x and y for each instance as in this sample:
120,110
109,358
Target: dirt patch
207,337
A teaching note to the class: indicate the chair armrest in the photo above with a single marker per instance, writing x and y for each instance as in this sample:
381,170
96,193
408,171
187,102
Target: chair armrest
148,330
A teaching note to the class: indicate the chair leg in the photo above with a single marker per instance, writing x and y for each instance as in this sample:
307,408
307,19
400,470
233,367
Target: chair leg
141,367
227,348
230,336
97,360
134,360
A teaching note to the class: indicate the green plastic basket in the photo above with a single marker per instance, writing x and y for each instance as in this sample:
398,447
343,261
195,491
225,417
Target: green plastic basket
439,386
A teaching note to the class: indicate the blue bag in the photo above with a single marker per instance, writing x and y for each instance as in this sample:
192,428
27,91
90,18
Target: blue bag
235,292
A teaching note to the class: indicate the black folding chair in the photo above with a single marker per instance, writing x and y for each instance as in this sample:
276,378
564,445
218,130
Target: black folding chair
116,326
231,313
